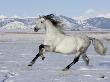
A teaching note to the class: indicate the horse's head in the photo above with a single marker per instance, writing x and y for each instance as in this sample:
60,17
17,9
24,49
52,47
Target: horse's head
40,23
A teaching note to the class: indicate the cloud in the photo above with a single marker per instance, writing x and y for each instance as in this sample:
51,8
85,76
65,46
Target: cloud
96,13
2,16
80,18
106,15
89,11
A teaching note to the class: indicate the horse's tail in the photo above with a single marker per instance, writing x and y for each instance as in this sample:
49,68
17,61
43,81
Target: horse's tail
98,46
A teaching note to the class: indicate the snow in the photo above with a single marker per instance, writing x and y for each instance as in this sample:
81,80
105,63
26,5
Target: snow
15,25
17,50
2,16
81,23
80,18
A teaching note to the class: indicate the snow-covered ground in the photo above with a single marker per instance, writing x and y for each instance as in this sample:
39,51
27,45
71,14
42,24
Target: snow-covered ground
17,50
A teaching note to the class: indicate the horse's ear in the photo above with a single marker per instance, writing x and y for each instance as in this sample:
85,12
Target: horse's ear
39,16
52,15
44,17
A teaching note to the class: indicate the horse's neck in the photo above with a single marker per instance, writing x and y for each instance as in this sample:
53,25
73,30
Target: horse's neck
51,30
53,35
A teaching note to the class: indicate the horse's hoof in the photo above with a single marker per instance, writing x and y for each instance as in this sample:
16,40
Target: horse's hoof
87,64
65,69
102,76
43,58
30,65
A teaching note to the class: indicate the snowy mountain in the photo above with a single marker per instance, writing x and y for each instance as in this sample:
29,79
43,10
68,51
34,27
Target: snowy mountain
69,22
81,23
99,22
78,23
15,25
26,21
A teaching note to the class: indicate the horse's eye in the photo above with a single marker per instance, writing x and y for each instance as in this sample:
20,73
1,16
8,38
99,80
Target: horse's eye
41,22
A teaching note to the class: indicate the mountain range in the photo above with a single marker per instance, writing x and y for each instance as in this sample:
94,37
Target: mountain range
88,24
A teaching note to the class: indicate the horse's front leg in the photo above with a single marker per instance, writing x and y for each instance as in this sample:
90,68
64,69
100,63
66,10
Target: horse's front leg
40,54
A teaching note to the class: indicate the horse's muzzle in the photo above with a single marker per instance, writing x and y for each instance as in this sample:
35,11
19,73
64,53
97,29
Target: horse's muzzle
36,29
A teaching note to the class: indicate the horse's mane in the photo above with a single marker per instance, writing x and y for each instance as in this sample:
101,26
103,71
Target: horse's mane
53,20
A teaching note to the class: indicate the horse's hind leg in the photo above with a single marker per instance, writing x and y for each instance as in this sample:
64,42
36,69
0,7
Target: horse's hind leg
85,58
76,59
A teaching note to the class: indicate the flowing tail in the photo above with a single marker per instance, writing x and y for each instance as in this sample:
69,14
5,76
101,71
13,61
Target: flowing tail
98,46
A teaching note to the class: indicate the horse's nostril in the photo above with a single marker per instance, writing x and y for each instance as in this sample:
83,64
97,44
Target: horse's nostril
36,29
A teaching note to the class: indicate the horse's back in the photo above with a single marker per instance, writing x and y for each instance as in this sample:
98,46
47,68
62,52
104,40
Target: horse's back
72,44
82,40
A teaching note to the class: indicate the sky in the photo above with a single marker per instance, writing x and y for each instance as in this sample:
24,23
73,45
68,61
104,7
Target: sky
70,8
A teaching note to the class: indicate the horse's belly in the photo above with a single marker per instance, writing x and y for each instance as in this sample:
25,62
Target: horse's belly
66,47
65,50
